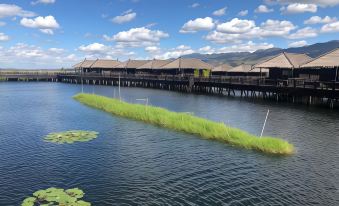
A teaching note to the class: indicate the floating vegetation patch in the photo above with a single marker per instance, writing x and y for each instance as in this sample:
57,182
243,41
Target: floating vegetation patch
187,123
57,197
72,136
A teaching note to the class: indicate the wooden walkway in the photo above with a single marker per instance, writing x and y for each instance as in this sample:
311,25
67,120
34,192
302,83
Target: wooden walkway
293,90
28,76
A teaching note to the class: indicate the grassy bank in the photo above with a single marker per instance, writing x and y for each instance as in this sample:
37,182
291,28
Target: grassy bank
187,123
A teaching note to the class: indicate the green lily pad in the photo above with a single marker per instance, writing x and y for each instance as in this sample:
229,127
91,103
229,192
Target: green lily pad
29,201
70,137
56,197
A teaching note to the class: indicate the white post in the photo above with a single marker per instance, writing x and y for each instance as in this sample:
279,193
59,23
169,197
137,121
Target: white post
145,100
262,131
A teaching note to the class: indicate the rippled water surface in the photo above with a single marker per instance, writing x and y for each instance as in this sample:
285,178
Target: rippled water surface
132,163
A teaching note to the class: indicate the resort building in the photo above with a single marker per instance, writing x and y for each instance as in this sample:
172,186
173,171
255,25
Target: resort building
221,70
284,65
323,68
129,66
152,67
243,70
186,66
84,66
104,66
101,66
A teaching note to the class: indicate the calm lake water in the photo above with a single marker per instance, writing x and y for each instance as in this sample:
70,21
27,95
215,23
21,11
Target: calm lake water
132,163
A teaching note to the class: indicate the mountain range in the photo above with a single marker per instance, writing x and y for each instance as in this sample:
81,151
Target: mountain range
237,58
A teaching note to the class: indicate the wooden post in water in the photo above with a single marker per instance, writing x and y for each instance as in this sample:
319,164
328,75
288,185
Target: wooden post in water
82,85
119,89
262,131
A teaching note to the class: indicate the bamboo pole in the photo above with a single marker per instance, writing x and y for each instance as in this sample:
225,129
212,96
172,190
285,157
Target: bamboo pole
262,131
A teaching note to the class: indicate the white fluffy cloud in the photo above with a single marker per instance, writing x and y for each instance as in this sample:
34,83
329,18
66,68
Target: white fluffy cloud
306,32
152,49
4,37
323,3
331,27
223,38
263,9
299,8
276,28
198,24
176,52
243,13
248,47
185,50
10,10
46,24
125,17
195,5
220,12
43,2
137,37
297,44
97,50
319,20
236,26
207,50
237,30
94,48
24,56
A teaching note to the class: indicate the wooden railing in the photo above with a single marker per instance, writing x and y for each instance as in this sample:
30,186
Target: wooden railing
255,81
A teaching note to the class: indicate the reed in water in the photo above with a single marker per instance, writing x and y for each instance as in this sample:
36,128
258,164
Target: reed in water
187,123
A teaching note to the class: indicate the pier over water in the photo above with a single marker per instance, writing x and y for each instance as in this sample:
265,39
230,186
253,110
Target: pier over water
295,90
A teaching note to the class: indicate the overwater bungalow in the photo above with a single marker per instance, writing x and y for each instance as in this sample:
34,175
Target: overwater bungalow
104,66
323,68
241,70
283,65
152,67
258,72
83,66
221,70
101,66
185,66
130,66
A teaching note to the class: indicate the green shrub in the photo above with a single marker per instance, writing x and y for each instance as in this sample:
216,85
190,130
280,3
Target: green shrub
196,73
206,73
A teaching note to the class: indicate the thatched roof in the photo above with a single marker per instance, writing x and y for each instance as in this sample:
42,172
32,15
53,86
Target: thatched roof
328,60
222,68
105,64
187,63
285,60
84,64
154,64
257,70
241,68
131,64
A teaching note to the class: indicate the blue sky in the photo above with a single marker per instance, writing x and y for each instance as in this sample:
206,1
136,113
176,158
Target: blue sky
58,33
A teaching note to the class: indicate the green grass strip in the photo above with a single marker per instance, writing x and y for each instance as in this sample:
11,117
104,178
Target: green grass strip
187,123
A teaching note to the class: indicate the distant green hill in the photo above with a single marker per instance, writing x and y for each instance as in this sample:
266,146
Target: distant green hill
236,58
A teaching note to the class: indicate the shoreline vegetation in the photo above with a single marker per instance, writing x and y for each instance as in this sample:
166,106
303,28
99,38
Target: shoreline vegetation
187,123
